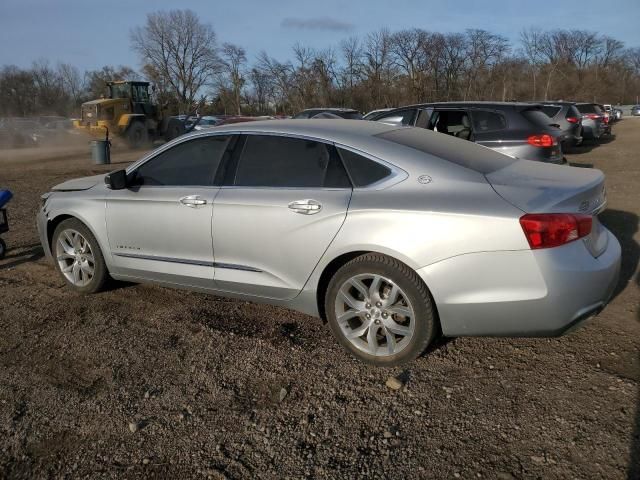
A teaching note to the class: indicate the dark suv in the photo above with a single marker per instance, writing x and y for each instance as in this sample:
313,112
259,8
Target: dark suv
568,119
593,126
520,130
348,113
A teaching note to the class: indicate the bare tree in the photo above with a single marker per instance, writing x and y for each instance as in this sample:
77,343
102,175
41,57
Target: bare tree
180,49
233,63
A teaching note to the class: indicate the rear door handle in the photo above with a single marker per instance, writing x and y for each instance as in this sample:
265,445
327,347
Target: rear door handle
192,201
306,207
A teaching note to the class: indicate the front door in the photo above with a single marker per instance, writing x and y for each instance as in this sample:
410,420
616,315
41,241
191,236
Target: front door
159,228
282,204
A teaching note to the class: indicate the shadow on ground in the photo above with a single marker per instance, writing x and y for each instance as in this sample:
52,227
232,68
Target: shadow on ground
30,253
624,226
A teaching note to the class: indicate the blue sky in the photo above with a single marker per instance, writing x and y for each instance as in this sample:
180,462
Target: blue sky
92,33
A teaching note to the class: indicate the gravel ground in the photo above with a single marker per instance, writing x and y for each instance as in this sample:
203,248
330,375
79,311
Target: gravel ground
143,381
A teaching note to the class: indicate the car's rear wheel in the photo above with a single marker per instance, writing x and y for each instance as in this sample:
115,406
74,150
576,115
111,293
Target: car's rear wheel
78,257
380,310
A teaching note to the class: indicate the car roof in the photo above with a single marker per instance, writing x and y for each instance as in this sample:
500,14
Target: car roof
320,128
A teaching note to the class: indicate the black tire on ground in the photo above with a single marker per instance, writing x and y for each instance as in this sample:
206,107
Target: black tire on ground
101,274
137,135
426,323
3,249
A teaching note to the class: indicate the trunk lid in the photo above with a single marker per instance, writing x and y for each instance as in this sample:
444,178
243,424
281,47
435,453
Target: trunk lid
535,187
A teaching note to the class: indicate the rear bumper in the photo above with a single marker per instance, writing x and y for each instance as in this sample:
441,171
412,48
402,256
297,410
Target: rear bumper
522,293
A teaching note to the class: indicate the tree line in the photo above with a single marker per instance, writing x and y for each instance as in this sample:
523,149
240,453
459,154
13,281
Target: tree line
182,57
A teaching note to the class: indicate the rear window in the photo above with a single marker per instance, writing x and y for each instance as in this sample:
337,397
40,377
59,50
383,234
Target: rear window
536,116
551,110
588,108
572,112
460,152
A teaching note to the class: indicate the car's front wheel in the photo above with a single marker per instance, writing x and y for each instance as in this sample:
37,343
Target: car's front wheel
380,310
78,257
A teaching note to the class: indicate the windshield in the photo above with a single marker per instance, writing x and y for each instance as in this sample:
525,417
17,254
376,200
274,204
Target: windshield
119,90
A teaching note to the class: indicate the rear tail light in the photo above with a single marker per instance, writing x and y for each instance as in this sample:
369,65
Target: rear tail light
573,119
592,116
542,140
546,230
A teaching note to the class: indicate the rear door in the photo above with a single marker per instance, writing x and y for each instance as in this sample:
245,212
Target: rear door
159,228
282,202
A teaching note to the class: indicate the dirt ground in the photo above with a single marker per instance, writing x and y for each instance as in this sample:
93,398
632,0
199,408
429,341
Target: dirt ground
147,382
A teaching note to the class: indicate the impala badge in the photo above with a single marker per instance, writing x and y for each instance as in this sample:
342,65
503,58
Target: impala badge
424,179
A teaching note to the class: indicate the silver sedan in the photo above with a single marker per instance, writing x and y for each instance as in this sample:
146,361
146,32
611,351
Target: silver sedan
391,234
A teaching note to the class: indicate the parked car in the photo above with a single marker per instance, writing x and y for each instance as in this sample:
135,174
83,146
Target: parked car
593,126
635,110
521,130
568,119
240,119
347,113
390,234
373,113
208,121
607,122
617,114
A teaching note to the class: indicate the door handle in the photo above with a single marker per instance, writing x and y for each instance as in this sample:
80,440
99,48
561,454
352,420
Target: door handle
306,207
192,201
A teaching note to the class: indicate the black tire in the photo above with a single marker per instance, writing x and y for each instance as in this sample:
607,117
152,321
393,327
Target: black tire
101,274
3,249
137,135
175,128
412,286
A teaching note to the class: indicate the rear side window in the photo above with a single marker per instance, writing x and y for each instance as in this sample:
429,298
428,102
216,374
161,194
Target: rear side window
487,121
362,170
537,117
274,161
189,163
551,110
465,154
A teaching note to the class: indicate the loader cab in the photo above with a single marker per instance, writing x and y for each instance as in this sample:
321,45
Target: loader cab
137,93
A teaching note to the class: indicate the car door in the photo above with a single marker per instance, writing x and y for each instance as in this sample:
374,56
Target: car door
283,201
159,228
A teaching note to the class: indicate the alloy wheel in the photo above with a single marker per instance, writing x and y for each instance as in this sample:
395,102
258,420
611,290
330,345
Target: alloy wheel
75,257
374,314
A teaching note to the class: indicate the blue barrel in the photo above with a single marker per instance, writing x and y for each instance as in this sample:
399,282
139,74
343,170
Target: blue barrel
5,196
101,152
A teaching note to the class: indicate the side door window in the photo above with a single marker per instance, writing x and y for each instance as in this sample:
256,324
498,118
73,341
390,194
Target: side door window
424,115
273,161
456,123
190,163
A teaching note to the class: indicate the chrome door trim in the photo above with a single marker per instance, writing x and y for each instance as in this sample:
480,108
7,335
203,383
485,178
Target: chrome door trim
186,261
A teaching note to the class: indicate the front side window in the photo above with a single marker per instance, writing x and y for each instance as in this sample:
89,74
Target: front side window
275,161
190,163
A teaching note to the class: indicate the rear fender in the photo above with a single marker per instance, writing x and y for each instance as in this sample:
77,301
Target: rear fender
127,119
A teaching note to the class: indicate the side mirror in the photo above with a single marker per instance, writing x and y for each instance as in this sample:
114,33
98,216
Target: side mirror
116,180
